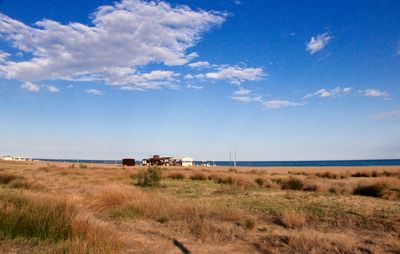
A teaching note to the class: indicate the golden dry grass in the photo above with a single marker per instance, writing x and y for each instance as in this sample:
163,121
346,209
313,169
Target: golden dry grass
293,218
209,210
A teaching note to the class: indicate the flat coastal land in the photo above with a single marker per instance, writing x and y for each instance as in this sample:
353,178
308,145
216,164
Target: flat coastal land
54,207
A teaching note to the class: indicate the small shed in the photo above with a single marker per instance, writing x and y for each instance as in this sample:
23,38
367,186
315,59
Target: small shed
128,162
187,162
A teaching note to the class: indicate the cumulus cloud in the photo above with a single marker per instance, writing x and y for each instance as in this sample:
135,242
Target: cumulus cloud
236,74
120,38
53,89
199,65
386,115
374,93
94,92
30,87
318,43
333,93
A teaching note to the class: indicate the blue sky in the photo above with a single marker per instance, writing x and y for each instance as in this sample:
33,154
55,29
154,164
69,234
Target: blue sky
273,80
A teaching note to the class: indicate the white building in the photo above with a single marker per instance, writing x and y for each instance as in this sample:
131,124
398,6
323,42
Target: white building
20,158
17,158
7,158
187,162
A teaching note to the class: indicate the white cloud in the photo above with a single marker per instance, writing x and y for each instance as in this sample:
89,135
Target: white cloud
274,104
29,86
189,76
374,93
53,89
94,92
236,74
122,37
242,98
386,115
318,43
194,87
245,96
3,56
333,93
199,65
242,91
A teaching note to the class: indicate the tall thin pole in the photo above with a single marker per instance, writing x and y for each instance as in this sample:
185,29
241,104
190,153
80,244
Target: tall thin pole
235,159
230,158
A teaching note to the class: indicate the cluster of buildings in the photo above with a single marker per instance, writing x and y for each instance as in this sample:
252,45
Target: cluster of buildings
15,158
156,160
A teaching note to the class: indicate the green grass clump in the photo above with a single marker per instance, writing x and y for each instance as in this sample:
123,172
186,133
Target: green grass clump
150,177
26,216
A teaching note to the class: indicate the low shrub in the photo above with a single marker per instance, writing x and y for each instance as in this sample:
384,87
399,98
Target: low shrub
162,220
149,177
82,166
361,174
373,190
249,223
238,181
311,187
7,178
198,177
177,176
259,181
293,184
277,180
328,175
21,183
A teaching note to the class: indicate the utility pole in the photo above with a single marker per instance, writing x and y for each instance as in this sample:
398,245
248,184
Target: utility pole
234,162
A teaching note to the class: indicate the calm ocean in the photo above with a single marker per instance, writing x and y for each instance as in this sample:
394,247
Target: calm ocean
327,163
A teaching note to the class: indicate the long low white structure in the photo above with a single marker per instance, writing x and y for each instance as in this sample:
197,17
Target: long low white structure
16,158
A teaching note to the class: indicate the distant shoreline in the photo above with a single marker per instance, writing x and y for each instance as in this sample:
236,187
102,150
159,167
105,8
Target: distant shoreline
260,164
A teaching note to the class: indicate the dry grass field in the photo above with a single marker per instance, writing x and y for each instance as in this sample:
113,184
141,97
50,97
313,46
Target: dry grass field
74,208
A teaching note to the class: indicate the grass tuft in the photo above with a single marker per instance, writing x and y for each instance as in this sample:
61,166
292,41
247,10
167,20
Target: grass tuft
6,178
198,177
293,184
177,176
293,218
149,177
